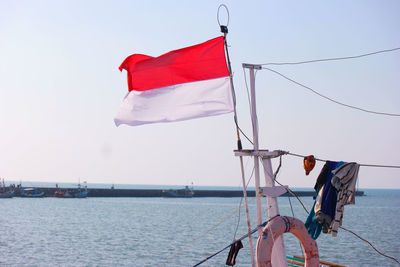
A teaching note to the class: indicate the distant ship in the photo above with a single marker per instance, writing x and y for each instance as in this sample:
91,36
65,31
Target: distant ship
31,192
72,193
6,192
185,192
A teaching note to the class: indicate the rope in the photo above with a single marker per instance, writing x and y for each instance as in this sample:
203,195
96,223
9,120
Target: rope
331,59
288,189
291,192
279,167
235,118
248,97
238,221
290,202
240,239
369,243
291,208
241,200
382,166
330,99
356,235
301,202
239,143
202,235
361,164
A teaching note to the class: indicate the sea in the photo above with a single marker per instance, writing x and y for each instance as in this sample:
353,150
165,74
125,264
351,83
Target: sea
179,232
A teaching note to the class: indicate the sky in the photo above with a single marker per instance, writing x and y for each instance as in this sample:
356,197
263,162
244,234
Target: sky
60,89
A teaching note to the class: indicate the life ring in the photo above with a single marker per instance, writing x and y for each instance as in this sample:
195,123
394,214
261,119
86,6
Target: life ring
274,229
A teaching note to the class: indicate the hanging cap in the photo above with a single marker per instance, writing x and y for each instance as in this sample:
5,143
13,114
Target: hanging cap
309,163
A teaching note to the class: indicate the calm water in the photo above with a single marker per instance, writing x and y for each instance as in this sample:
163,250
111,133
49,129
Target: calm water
150,231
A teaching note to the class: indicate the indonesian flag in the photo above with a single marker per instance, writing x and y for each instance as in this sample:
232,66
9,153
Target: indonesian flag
183,84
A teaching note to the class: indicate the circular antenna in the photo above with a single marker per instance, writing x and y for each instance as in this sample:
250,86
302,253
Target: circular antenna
227,12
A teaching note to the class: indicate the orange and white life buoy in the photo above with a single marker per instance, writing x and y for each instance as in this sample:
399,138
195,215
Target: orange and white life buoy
274,229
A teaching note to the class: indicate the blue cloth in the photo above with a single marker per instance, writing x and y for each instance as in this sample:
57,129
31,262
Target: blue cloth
328,201
329,196
312,225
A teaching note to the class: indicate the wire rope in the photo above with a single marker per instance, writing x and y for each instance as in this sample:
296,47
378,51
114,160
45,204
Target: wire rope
361,164
288,189
290,202
240,239
240,205
330,99
369,243
329,59
202,235
238,129
350,231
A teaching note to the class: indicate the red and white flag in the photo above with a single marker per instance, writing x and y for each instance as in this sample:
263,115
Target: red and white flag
183,84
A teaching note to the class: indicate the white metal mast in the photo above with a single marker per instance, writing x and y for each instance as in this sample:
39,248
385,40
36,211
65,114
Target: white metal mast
278,253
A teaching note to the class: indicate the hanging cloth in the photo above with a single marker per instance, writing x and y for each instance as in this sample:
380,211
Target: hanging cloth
313,226
344,181
233,252
322,176
325,207
308,164
329,196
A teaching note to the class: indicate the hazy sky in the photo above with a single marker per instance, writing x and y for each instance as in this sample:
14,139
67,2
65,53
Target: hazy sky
60,88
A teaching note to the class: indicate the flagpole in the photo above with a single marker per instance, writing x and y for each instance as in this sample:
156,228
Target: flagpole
224,30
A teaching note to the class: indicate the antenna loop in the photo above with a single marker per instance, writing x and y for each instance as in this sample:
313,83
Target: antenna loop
227,12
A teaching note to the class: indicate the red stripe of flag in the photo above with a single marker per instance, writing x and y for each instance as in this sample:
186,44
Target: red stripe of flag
194,63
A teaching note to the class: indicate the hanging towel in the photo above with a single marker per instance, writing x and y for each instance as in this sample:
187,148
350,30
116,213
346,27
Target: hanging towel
344,180
325,207
329,196
312,225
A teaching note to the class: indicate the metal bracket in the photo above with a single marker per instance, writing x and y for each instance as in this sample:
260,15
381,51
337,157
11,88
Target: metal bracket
260,153
274,191
251,66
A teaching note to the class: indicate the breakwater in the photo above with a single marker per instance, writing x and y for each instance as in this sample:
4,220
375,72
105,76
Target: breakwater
109,192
